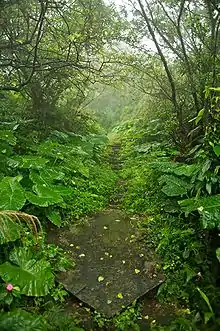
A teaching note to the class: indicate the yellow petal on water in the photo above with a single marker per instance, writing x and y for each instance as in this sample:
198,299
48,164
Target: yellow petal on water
100,278
71,245
106,253
105,227
109,301
137,271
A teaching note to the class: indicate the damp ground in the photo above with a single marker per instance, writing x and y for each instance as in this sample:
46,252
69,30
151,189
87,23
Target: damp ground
113,266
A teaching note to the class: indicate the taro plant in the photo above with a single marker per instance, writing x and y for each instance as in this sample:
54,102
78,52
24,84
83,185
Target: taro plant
50,176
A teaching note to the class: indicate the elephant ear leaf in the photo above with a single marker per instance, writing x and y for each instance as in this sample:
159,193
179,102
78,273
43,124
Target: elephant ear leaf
174,186
34,277
12,194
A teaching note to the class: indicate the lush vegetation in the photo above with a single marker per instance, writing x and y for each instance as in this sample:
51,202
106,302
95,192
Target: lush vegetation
145,73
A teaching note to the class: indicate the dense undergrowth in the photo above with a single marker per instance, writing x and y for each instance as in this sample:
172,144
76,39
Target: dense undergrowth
56,180
179,195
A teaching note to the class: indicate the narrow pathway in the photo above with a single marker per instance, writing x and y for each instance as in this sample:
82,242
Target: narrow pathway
113,265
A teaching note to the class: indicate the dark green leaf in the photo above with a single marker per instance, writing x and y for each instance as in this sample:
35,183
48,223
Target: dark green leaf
12,194
34,278
216,149
206,203
43,201
54,217
174,185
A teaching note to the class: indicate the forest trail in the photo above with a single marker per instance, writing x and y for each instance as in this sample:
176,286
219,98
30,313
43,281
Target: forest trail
114,266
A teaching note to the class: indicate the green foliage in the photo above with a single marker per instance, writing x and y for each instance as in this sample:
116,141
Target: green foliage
12,227
10,230
34,278
12,194
179,202
126,320
54,217
58,176
180,324
174,186
59,320
204,296
57,257
20,320
58,180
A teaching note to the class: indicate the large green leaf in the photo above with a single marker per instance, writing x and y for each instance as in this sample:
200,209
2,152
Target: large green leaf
176,168
43,201
32,162
12,195
166,166
20,320
208,207
187,170
52,174
46,176
54,217
47,192
61,189
209,203
35,278
174,186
